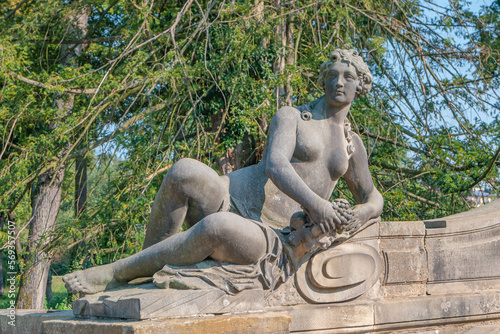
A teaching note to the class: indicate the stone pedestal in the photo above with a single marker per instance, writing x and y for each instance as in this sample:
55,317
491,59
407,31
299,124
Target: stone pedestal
29,321
247,324
392,276
439,276
146,301
394,314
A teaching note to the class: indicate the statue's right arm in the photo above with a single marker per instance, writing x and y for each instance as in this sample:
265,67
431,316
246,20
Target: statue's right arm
281,142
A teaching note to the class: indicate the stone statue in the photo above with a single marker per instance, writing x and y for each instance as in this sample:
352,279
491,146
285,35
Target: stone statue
255,218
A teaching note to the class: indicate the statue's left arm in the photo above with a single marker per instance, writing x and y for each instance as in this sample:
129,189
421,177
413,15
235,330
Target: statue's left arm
359,181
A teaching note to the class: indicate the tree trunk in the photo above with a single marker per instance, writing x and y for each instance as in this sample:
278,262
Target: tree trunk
19,248
290,59
80,185
2,223
226,163
279,65
47,192
80,201
48,294
2,290
45,206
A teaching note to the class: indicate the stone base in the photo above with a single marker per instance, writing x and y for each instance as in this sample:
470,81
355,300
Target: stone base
402,315
443,314
28,321
248,324
146,301
483,327
440,277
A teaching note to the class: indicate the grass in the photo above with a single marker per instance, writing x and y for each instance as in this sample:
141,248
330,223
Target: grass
60,296
4,302
58,302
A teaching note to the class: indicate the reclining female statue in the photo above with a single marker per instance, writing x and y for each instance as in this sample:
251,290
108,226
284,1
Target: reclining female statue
229,217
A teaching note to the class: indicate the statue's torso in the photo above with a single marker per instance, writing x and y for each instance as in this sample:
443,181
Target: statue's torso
320,158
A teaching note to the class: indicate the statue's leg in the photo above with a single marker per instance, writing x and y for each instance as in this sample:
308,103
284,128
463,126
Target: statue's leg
222,236
189,192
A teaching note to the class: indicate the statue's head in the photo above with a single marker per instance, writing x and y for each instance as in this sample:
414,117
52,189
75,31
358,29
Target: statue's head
353,58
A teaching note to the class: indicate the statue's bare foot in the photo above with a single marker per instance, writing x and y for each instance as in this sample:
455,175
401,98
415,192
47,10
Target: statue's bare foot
92,280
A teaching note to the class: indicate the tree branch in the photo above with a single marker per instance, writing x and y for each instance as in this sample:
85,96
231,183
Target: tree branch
128,123
12,145
79,42
42,85
89,91
365,132
421,199
12,12
161,170
404,170
486,172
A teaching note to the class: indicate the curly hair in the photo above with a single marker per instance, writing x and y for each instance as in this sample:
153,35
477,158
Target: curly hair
351,57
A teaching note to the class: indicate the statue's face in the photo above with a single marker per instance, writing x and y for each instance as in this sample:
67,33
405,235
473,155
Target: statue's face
341,84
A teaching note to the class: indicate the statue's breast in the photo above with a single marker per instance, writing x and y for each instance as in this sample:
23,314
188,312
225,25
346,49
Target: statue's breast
323,147
309,145
338,160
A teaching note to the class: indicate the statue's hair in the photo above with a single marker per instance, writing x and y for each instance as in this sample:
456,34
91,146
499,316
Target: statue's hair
351,57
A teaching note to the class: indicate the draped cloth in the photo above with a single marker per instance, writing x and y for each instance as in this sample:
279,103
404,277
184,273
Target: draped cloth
270,271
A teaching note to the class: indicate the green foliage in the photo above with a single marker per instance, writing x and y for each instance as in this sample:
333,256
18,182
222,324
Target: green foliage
59,294
59,301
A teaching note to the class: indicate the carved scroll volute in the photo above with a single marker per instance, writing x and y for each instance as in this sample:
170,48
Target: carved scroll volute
338,274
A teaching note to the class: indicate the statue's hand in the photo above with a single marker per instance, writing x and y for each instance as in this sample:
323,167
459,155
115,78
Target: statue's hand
344,212
359,218
325,216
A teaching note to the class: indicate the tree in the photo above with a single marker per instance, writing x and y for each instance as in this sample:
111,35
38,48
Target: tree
46,195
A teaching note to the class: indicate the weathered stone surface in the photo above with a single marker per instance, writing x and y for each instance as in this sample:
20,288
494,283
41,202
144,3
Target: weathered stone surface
428,308
474,314
460,253
403,315
328,317
339,274
434,273
403,290
29,321
482,327
479,285
146,301
285,295
465,252
370,235
403,251
248,324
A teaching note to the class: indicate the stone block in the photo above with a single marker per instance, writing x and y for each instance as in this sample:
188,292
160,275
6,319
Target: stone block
481,327
463,254
405,266
403,290
402,229
428,308
147,301
370,232
247,324
471,286
29,321
471,254
402,246
327,317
